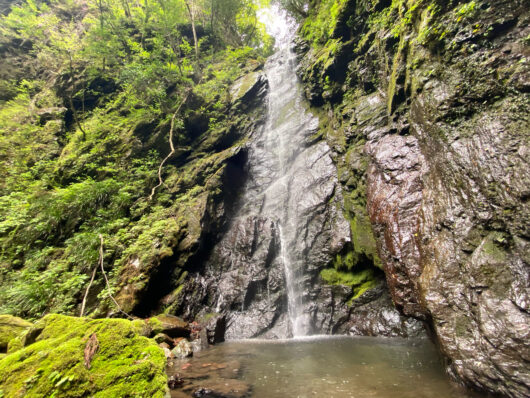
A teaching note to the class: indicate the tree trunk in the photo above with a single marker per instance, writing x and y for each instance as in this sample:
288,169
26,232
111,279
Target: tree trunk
191,12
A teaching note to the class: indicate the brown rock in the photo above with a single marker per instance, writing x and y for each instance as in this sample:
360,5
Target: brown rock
171,325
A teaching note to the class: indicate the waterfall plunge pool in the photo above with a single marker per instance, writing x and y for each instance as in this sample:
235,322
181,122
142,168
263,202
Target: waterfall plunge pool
323,367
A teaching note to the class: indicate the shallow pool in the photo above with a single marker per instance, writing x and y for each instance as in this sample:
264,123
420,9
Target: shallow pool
358,367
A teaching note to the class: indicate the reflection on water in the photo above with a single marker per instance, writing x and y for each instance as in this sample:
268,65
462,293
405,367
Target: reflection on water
335,367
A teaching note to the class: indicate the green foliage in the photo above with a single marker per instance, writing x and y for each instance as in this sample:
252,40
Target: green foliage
319,26
84,128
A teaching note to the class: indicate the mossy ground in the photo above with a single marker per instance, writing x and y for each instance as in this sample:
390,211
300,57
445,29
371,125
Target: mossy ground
126,364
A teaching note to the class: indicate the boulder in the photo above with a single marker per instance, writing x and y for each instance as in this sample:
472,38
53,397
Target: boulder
183,349
11,327
163,338
120,361
170,325
247,89
215,328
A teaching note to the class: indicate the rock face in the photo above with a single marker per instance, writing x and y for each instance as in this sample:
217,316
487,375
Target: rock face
244,276
209,183
428,119
285,266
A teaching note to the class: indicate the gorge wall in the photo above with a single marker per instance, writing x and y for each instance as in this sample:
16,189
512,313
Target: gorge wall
425,106
284,265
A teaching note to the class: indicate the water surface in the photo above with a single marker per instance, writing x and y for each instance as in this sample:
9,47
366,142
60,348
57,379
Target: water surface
357,367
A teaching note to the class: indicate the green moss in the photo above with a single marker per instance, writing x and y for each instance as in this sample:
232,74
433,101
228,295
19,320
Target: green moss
359,281
10,328
125,365
244,84
332,276
491,247
397,64
363,239
346,261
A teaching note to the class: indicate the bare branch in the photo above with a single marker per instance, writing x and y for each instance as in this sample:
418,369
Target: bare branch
171,129
107,280
87,290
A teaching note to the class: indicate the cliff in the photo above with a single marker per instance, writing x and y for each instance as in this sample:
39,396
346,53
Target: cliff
425,105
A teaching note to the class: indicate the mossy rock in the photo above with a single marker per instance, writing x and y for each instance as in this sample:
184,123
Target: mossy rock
11,327
125,364
359,281
243,85
169,324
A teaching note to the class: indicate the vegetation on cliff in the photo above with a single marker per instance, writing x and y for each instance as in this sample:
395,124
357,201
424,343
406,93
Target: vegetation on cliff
91,93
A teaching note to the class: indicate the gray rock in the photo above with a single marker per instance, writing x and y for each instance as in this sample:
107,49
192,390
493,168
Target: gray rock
171,326
163,338
183,349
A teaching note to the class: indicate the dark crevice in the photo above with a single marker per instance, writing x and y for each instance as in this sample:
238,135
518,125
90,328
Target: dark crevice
164,279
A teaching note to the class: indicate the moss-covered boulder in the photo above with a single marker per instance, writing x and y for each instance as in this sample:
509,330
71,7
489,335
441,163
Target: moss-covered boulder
170,325
74,357
11,327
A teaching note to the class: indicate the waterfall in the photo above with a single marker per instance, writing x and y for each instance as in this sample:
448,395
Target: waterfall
286,129
264,273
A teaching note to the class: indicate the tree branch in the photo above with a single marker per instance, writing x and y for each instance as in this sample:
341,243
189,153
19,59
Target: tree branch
171,129
107,280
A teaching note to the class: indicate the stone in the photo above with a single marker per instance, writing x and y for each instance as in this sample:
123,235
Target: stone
215,328
247,89
11,327
175,382
183,349
379,317
135,362
170,325
222,388
197,345
163,338
394,195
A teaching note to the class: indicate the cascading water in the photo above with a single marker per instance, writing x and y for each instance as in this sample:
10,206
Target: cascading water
286,129
264,273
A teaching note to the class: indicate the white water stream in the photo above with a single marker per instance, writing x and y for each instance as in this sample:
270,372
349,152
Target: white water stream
286,129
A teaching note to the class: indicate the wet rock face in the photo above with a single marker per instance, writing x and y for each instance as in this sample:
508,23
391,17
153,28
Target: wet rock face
264,273
394,195
375,315
244,276
475,252
443,125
